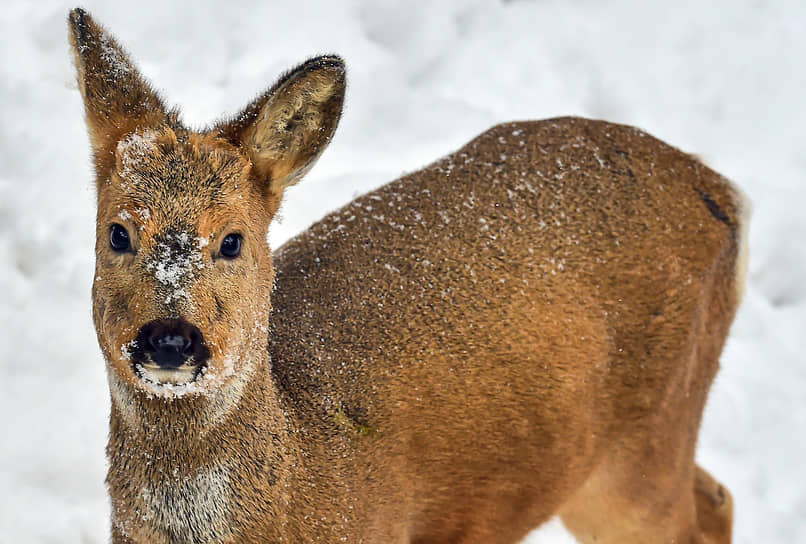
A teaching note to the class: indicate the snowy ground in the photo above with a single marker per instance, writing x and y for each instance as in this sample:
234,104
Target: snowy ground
723,79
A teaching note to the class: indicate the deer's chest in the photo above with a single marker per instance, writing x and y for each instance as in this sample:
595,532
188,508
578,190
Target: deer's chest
191,508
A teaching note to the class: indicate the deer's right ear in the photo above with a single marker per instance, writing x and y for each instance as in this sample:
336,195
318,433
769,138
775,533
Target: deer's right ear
285,130
117,100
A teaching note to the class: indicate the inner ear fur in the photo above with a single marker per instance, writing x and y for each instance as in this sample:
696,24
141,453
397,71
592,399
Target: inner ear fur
117,100
286,129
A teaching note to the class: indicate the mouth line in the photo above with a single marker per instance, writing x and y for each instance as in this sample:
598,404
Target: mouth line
154,374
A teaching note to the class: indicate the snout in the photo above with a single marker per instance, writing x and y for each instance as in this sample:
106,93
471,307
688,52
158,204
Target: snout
169,351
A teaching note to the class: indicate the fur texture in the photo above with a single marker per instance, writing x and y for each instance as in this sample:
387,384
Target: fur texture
527,327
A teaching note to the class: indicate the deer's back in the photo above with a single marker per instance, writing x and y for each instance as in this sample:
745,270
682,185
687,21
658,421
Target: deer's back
489,298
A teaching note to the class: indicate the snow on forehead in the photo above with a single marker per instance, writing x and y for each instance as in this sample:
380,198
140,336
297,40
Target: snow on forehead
138,143
175,261
158,158
134,149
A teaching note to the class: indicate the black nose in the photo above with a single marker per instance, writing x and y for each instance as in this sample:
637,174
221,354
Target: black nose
169,350
170,343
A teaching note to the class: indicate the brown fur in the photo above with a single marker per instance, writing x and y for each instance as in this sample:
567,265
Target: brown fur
526,327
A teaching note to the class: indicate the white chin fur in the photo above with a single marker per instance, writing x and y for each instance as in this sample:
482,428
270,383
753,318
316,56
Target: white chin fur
161,376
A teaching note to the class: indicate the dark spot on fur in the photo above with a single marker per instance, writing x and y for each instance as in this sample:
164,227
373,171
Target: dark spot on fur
269,471
714,208
219,306
354,419
215,183
118,302
623,153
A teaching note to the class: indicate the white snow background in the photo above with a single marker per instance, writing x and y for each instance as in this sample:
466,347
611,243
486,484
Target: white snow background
724,79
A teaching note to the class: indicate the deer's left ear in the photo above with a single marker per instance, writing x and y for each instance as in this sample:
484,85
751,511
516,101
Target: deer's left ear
285,130
117,99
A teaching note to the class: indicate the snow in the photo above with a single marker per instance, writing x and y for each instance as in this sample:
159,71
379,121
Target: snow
132,150
174,263
720,79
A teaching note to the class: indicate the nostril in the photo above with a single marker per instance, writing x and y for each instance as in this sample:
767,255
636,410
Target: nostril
172,342
195,340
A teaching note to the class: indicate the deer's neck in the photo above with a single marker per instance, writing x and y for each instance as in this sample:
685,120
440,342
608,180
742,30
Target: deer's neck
206,456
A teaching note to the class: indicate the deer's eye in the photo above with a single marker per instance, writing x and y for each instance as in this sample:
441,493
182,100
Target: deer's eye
119,238
231,246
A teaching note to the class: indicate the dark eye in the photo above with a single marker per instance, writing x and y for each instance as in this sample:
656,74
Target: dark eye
231,246
119,238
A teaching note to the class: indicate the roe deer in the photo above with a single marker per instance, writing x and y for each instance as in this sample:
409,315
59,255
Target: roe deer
526,328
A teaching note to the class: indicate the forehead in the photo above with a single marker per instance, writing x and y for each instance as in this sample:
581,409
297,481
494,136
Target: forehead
173,176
